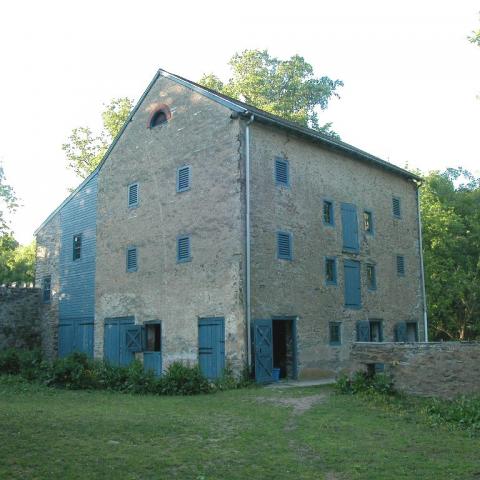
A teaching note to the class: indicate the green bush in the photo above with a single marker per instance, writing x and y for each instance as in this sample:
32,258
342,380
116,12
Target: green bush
74,372
27,363
181,379
228,381
362,382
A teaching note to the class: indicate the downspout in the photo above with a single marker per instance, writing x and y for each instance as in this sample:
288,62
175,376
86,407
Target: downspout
247,240
422,271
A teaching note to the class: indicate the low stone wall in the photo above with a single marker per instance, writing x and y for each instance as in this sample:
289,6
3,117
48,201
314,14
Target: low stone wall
19,317
445,369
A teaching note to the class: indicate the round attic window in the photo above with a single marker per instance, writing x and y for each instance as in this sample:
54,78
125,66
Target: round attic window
159,116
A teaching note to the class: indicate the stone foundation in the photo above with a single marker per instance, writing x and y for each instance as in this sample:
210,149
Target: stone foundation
445,369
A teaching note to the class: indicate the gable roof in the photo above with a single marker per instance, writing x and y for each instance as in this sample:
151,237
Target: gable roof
245,110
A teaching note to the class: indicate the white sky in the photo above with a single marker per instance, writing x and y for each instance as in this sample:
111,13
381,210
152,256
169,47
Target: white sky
411,77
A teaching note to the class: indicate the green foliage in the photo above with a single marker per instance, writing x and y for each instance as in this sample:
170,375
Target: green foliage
85,149
181,379
475,37
450,208
462,412
28,363
17,262
363,383
8,202
287,88
229,381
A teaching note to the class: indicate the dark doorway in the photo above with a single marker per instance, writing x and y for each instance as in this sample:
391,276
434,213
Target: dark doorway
283,347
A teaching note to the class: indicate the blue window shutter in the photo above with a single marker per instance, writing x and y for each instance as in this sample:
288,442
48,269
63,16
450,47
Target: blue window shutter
328,215
400,332
352,284
281,172
133,195
183,178
132,259
396,207
135,338
363,331
284,245
183,249
350,227
400,265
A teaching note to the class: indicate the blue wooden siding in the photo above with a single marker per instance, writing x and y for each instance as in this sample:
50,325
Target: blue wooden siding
77,278
349,227
211,346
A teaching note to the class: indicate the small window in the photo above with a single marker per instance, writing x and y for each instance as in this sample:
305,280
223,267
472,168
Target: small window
284,245
412,332
330,271
158,118
376,334
400,265
77,247
183,178
328,218
132,259
281,172
396,207
369,331
335,333
371,277
183,249
133,195
368,222
47,289
153,332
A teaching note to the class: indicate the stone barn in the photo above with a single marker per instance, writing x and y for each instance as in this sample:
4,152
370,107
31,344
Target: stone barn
214,232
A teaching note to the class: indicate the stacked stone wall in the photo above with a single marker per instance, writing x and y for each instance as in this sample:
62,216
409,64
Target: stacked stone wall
445,369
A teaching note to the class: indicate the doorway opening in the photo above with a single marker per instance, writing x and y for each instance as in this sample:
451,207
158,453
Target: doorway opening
284,347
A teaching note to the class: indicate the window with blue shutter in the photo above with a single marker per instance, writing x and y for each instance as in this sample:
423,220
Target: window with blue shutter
281,172
352,284
183,249
133,195
396,207
349,228
135,338
330,270
400,332
368,222
284,245
371,277
47,289
132,259
400,265
335,337
328,217
183,178
363,331
77,246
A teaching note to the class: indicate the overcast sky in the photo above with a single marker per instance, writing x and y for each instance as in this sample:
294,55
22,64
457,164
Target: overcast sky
411,77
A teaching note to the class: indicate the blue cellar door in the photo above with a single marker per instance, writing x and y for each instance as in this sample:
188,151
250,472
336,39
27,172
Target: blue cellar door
65,337
116,350
263,351
211,346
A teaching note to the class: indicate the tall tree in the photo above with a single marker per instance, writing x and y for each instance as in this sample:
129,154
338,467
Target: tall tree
451,226
8,202
17,262
287,88
85,149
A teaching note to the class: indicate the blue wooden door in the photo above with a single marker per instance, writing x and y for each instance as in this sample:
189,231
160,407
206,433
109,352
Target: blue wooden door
211,346
75,335
153,361
263,351
115,341
350,227
352,284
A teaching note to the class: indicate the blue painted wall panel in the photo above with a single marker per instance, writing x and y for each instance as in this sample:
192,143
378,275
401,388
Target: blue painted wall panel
77,277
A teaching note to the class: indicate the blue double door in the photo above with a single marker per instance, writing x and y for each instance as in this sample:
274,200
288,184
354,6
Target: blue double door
118,340
75,335
211,346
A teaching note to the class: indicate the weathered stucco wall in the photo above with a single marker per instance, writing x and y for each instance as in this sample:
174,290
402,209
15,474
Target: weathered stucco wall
201,134
20,317
48,264
297,287
446,369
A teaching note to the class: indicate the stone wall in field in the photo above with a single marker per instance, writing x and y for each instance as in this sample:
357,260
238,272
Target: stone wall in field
445,369
19,317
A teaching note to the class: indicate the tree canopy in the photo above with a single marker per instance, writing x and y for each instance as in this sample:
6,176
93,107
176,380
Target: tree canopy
451,234
287,88
8,202
85,149
17,262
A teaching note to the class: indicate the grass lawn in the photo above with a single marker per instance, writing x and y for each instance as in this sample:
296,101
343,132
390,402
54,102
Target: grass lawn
256,433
